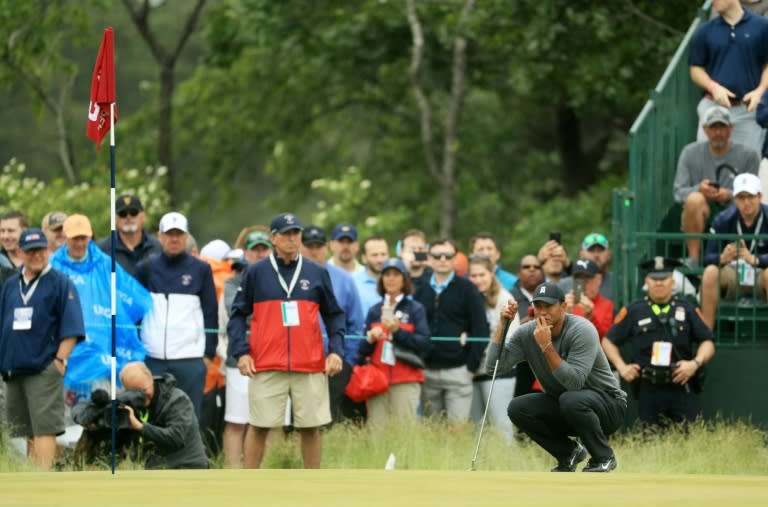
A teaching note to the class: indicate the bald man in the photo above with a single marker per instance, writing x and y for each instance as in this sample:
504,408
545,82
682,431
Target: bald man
168,425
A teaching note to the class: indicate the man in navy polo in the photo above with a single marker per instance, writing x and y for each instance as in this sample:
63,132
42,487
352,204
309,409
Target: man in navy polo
41,322
728,60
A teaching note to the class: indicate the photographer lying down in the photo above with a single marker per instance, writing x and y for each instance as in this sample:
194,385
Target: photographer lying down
168,426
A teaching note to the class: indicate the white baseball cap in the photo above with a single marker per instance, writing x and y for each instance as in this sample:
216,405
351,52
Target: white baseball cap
748,183
173,220
216,249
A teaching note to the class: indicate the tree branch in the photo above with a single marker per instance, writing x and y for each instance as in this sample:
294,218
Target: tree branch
189,27
38,89
458,90
421,99
635,10
141,20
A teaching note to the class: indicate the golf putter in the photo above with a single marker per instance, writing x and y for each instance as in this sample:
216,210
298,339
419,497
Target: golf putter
504,330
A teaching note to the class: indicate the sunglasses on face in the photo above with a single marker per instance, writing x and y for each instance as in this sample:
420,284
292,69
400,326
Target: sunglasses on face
530,266
126,212
442,255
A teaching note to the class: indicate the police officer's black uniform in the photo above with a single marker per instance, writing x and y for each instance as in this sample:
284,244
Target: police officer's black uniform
678,322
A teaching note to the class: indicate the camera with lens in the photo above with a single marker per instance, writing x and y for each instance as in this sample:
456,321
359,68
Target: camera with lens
96,418
97,413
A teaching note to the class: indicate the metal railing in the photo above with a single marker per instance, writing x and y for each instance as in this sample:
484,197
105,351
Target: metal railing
664,126
667,122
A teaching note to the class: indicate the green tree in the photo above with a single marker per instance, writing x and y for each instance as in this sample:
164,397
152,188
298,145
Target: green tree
35,36
140,12
293,92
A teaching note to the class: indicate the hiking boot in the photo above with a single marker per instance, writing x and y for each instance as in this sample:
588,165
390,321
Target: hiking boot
578,455
605,465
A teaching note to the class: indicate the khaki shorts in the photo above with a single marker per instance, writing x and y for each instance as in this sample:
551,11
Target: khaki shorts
268,393
36,403
729,281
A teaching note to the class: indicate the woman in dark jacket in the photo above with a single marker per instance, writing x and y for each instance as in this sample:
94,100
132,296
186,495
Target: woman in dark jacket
398,337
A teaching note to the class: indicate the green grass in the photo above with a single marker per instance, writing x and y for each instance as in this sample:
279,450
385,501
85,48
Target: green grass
715,447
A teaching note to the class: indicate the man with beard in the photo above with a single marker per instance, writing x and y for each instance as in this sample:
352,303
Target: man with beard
581,396
134,244
375,252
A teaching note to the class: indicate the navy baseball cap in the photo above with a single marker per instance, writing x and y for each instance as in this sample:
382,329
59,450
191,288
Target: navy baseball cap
32,238
585,267
394,263
344,231
313,235
285,222
549,293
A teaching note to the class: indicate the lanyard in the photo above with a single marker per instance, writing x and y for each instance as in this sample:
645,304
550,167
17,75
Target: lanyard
757,230
26,297
288,289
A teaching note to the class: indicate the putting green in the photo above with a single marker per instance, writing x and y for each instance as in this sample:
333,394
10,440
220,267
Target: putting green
341,488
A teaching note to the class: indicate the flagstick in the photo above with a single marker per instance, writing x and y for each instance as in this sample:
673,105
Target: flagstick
113,279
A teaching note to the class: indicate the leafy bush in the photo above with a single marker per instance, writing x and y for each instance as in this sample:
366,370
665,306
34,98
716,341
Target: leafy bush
91,198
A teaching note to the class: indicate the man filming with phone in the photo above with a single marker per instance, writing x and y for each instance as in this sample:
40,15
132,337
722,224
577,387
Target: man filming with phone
585,299
705,171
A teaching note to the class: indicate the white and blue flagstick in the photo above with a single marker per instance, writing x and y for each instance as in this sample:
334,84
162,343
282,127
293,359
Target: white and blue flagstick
113,279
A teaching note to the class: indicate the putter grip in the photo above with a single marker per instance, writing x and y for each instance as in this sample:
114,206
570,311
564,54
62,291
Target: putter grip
505,323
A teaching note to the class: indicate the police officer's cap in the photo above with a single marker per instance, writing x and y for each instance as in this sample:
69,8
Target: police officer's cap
659,267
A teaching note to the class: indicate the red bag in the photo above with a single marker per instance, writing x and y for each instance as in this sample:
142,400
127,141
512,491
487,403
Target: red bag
366,381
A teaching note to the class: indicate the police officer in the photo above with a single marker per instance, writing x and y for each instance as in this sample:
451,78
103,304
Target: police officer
665,365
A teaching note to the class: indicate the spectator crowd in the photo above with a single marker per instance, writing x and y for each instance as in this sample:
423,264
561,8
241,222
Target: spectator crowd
295,327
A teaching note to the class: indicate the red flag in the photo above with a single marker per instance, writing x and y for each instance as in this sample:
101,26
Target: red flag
102,89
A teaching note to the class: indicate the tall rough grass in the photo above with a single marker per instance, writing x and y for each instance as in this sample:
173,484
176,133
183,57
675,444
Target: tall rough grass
706,447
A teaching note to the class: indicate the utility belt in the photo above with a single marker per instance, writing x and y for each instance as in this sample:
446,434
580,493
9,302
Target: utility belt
658,375
662,375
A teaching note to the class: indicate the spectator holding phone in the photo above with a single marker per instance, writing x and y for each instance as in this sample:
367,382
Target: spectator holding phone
413,252
554,259
595,247
705,171
585,298
737,268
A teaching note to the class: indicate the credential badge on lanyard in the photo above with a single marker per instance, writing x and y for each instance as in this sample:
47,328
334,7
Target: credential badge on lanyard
22,315
289,309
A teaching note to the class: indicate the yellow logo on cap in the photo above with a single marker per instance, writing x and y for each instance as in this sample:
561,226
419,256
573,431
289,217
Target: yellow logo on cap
126,200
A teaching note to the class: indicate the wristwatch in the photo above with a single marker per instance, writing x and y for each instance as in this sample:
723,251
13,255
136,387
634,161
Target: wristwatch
62,361
698,363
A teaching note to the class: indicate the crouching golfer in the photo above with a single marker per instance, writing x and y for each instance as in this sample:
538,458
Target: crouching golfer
581,397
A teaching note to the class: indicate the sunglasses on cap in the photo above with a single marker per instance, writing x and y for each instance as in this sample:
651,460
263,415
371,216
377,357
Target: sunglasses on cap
442,255
124,213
